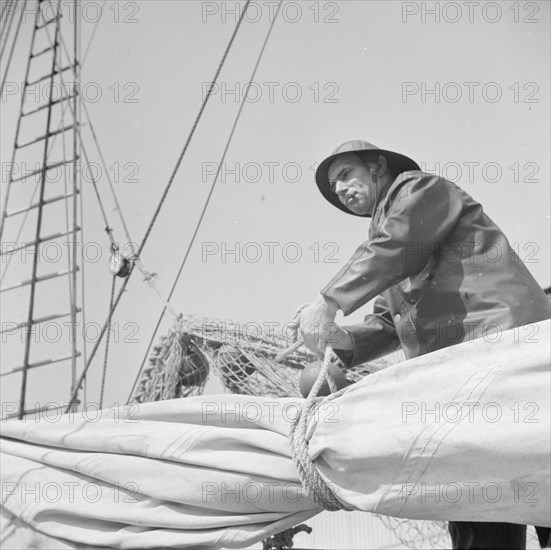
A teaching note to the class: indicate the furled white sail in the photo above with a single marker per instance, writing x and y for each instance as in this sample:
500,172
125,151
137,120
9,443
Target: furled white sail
460,434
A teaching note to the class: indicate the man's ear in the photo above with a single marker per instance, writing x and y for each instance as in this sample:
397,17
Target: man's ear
382,166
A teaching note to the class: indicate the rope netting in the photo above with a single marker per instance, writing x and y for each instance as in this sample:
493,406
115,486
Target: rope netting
180,363
419,533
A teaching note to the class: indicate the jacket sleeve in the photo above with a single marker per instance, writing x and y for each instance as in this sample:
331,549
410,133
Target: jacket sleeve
423,211
373,338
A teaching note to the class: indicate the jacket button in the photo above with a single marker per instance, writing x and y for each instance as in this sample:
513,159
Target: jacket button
397,318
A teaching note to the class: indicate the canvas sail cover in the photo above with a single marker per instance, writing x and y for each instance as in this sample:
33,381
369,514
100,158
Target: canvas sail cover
459,434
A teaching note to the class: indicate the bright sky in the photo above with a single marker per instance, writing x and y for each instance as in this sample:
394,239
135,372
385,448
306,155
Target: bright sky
352,72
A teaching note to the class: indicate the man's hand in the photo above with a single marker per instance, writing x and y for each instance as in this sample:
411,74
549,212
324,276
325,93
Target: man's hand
318,327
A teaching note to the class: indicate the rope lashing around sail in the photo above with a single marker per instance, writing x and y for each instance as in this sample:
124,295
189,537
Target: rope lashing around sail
299,434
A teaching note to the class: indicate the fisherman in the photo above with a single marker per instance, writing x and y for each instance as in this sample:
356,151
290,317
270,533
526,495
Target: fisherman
441,273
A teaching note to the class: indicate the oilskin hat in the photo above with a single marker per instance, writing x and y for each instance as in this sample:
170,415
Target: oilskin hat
398,163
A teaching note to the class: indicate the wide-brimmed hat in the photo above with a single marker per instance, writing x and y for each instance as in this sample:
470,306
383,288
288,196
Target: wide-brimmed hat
398,163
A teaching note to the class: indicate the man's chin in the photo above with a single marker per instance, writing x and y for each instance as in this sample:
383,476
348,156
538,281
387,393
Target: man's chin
360,210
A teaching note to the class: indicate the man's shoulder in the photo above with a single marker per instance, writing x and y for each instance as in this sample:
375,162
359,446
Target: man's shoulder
426,188
412,176
417,180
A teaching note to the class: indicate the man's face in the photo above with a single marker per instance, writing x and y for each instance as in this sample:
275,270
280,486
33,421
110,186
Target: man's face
351,179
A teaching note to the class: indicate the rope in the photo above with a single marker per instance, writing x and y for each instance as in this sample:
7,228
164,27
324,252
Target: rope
82,287
309,475
109,317
5,7
294,325
13,47
92,36
148,276
97,344
104,165
71,259
192,132
207,202
11,15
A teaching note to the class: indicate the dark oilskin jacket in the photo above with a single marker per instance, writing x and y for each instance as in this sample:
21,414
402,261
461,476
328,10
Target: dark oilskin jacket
442,271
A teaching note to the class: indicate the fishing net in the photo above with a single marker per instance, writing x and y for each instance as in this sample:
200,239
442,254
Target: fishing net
243,360
419,533
177,368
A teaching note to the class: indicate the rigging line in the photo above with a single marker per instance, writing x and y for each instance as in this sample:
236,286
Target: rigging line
62,40
77,129
125,282
26,214
70,259
11,16
201,217
192,132
102,158
74,252
108,228
77,153
13,46
98,342
106,356
82,286
4,7
8,30
92,36
148,277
